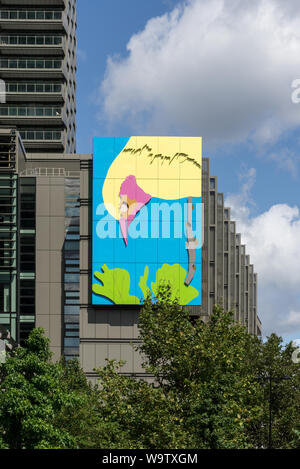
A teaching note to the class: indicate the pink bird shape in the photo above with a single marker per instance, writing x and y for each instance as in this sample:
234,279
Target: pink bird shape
132,199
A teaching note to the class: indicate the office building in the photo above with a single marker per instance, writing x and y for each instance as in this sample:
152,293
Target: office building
38,67
46,207
46,259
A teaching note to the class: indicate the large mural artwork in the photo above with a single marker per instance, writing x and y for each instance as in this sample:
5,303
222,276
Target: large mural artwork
146,218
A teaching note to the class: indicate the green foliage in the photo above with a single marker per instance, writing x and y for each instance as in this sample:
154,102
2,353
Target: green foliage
210,389
32,390
142,412
219,372
295,443
207,365
275,360
86,422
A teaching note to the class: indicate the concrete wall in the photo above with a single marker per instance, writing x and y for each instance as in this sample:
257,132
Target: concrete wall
228,278
50,238
50,235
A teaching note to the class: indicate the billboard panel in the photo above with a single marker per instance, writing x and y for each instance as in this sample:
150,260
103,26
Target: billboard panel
146,218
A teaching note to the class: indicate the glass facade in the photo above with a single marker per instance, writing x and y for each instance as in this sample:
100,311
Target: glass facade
72,268
30,111
36,40
27,256
38,56
8,236
33,87
31,63
41,135
32,15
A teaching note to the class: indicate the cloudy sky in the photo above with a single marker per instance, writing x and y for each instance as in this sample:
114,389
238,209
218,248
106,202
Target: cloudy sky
223,69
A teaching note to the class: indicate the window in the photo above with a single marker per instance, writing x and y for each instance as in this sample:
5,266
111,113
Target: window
27,215
72,268
71,246
22,88
27,297
40,64
72,301
30,63
72,278
12,87
39,88
73,237
30,111
71,342
25,329
73,309
35,40
72,211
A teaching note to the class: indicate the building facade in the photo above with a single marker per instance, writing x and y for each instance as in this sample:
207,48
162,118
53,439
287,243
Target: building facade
46,255
38,67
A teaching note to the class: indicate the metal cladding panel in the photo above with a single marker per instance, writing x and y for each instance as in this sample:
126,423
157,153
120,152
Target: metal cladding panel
146,218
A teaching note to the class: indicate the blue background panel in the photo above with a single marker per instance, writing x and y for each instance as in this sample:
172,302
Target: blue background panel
146,245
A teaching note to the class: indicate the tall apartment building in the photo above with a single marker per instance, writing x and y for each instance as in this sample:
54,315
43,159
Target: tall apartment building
38,66
46,256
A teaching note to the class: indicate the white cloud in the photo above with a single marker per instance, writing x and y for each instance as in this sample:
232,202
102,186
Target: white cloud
272,240
294,319
219,68
239,203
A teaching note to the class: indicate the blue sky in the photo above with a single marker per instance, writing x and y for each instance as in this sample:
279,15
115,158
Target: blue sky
222,70
104,28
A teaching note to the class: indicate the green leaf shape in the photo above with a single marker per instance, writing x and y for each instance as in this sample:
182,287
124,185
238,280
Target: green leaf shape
143,283
174,275
115,286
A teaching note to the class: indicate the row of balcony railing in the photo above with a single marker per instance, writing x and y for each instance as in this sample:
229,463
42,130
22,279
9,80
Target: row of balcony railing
31,63
49,135
31,40
33,87
31,15
30,111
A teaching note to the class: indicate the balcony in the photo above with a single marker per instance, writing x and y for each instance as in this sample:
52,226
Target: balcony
37,68
31,115
31,15
33,20
46,92
38,3
32,44
40,139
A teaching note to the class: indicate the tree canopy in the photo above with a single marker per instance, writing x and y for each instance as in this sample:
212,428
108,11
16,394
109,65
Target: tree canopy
208,387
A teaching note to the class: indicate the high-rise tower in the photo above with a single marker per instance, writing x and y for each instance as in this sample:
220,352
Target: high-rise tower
38,66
